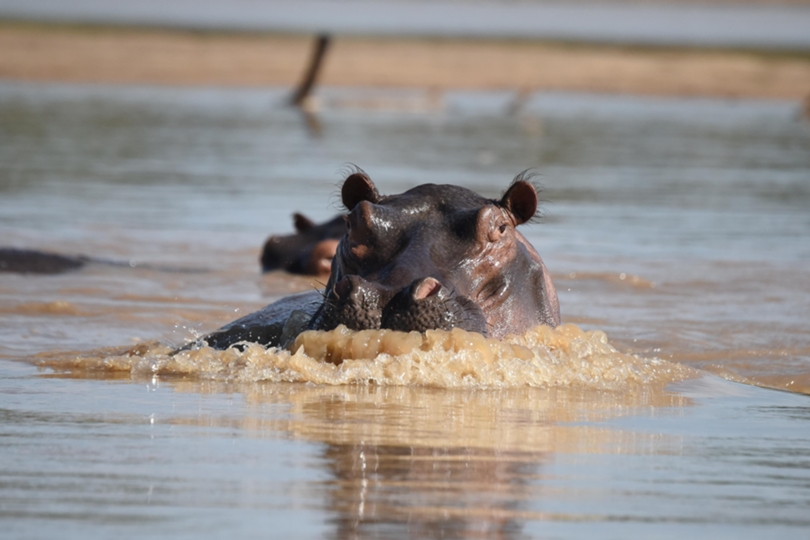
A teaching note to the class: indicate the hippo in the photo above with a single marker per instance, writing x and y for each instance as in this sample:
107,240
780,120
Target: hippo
309,251
29,261
433,257
32,261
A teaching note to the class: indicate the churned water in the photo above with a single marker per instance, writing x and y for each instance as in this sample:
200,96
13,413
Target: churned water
676,231
542,357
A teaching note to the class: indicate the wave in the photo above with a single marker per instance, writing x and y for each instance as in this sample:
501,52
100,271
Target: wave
565,356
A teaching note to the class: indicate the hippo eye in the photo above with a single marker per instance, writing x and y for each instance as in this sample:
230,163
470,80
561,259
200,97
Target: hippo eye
502,228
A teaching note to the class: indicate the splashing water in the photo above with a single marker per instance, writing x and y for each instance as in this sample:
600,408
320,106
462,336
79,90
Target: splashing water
542,357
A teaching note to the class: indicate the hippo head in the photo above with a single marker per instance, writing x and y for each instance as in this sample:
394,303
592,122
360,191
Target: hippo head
437,257
308,251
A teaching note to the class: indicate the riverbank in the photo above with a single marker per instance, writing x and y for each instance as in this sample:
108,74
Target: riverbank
132,55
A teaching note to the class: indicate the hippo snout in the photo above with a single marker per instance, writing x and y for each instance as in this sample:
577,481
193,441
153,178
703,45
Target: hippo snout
353,302
425,304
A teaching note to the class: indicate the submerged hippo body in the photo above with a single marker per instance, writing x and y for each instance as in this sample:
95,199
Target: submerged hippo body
30,261
434,257
309,251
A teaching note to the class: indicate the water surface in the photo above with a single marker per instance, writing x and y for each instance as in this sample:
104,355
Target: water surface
675,229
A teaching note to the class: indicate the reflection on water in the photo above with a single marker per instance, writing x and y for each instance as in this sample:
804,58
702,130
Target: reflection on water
206,457
472,459
676,228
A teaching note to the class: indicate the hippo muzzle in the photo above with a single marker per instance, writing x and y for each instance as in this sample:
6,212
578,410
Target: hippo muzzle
423,305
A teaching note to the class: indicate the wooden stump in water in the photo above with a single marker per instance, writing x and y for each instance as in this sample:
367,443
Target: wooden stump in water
305,88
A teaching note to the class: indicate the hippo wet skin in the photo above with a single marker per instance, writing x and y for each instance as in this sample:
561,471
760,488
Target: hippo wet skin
434,257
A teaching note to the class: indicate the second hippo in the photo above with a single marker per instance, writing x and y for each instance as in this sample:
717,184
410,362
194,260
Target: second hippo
309,251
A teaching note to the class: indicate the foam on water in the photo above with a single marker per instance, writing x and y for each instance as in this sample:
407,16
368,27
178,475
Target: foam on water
542,357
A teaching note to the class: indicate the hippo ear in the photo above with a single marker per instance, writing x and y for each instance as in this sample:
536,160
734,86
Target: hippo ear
521,200
302,223
357,188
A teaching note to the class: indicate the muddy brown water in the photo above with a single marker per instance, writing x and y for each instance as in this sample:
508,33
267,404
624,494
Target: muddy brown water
677,233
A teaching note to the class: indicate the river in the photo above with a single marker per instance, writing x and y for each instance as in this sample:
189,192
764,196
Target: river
674,401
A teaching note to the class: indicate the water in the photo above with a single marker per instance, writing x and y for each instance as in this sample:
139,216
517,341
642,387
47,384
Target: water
676,227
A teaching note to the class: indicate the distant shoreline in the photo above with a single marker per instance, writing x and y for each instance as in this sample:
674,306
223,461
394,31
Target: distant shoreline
132,55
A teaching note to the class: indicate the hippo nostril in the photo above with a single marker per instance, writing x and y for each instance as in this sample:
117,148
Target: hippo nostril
428,287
